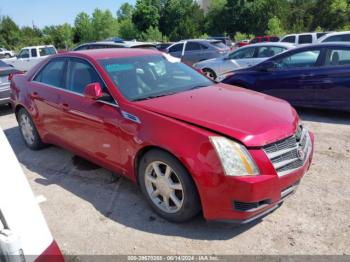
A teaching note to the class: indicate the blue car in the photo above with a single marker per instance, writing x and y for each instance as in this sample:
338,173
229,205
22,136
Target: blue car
310,76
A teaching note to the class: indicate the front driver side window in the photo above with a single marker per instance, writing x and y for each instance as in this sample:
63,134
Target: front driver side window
303,59
243,53
81,73
24,54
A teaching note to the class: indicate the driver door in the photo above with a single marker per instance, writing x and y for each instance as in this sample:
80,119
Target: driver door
239,59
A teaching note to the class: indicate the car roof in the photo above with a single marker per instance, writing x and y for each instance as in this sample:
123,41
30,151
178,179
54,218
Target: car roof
98,54
37,46
333,34
281,44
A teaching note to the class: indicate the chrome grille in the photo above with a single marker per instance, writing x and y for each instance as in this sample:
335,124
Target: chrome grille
290,154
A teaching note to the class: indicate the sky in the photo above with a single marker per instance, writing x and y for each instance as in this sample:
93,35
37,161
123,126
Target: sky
49,12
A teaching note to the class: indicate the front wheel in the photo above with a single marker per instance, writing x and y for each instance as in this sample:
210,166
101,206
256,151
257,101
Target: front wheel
7,56
28,130
168,187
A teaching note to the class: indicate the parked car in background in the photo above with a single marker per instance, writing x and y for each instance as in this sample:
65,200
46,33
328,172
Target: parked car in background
114,44
224,39
4,53
311,76
163,46
266,38
240,58
5,72
335,37
242,43
303,38
118,108
31,55
192,51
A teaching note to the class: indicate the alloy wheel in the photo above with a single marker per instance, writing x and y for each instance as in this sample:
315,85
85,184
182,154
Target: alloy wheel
27,129
164,187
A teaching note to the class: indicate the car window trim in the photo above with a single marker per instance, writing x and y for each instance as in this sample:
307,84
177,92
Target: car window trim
69,91
99,75
43,67
324,66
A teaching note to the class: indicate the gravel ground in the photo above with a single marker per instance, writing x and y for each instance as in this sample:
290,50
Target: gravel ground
90,211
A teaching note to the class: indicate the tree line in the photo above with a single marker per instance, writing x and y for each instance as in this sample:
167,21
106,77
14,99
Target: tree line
173,20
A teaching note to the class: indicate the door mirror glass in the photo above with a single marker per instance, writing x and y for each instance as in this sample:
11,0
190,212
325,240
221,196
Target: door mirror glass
93,91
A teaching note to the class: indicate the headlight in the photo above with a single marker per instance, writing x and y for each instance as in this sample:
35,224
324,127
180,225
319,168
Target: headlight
234,157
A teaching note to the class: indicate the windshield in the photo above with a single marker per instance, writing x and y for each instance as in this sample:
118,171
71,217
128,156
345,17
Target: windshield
145,77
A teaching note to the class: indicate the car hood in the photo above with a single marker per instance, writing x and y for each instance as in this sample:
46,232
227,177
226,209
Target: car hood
254,119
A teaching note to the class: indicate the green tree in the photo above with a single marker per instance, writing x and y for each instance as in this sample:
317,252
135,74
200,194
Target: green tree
30,36
10,34
127,30
83,28
125,11
65,32
242,36
152,34
214,24
146,14
103,24
274,27
182,19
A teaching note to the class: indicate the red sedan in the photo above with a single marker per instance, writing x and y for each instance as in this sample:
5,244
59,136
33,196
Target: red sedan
191,144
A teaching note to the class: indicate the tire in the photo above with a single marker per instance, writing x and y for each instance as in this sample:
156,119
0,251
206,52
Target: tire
7,56
28,130
173,197
210,73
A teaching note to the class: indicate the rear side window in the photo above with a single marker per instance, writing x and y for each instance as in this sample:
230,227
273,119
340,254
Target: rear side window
319,35
264,39
218,44
305,39
176,48
44,51
274,39
34,52
192,46
255,40
337,57
289,39
304,59
24,53
80,74
53,73
243,53
338,38
268,51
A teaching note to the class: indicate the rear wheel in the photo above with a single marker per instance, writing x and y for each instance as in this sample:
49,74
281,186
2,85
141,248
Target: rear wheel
209,73
168,187
7,56
28,130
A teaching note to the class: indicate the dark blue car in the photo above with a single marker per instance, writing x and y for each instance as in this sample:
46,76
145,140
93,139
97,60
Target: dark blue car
310,76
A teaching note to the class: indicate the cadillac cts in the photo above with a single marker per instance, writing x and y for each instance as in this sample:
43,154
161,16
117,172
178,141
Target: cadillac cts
191,144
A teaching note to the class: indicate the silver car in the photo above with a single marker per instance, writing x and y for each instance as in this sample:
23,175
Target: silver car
246,56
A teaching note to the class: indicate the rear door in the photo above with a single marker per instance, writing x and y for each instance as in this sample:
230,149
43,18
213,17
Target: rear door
176,50
90,127
44,93
334,88
193,52
295,77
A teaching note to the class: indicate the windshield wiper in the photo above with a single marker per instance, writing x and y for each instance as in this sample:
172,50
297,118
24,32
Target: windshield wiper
198,86
153,96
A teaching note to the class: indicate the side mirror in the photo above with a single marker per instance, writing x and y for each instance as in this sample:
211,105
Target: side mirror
93,91
267,66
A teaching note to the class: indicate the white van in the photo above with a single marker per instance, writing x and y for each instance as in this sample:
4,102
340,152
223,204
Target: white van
31,55
303,38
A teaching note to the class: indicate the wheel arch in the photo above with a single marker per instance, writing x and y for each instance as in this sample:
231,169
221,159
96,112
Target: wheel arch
143,151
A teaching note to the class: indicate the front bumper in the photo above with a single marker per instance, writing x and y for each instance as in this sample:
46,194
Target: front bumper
244,199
